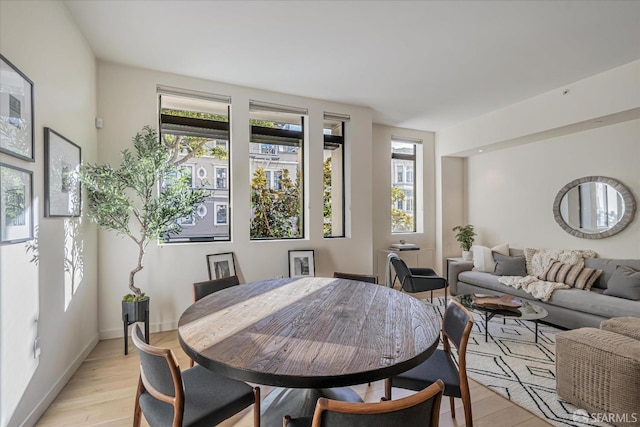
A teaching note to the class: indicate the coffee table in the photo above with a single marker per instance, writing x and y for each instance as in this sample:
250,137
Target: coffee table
528,311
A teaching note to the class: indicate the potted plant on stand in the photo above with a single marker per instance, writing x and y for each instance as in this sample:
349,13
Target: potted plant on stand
129,201
465,236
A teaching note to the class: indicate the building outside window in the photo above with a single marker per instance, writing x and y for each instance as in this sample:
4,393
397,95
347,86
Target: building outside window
333,175
221,177
403,190
276,168
196,126
221,213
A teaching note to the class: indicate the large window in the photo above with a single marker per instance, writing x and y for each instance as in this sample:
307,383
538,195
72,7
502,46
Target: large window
196,127
403,189
333,175
276,168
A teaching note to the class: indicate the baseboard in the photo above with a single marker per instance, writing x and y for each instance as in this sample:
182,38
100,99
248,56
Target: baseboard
53,392
119,332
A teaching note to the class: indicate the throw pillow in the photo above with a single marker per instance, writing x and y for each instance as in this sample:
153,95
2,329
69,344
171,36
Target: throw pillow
539,259
510,265
624,283
573,275
483,259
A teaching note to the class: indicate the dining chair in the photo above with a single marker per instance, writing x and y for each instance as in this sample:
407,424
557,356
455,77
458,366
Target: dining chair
421,409
417,279
194,397
359,277
202,289
456,327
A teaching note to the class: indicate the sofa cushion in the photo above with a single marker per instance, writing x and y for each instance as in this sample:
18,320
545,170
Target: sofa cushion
490,282
594,302
608,266
483,260
624,283
572,275
509,266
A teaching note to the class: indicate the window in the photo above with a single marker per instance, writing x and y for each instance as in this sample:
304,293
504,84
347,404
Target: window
333,175
403,191
221,210
196,126
276,168
221,177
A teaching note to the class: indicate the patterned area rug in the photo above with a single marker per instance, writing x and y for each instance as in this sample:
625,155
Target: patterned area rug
513,365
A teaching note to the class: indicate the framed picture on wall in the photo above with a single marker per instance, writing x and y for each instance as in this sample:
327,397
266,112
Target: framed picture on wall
301,263
16,212
62,159
221,265
16,112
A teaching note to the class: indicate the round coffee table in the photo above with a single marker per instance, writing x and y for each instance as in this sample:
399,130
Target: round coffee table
528,311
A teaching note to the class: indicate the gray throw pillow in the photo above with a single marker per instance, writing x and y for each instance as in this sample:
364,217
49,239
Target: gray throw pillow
510,265
624,283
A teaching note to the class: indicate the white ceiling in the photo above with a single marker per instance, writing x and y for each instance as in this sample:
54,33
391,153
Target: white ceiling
418,64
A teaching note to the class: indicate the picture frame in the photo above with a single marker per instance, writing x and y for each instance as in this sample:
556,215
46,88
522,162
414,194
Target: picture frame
221,265
16,207
62,196
302,263
16,112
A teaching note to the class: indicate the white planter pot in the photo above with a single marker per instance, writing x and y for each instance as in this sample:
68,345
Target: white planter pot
467,255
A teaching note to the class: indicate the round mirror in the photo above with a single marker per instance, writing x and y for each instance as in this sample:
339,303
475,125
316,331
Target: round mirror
594,207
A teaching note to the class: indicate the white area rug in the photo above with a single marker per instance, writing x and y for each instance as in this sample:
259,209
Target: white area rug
514,366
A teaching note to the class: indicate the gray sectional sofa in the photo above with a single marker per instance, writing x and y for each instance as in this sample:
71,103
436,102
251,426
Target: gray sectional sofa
568,308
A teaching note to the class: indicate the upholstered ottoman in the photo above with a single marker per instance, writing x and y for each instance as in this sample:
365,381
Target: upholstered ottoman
629,326
599,371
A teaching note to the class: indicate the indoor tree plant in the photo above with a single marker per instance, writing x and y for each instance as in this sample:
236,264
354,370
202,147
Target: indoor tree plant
130,201
465,236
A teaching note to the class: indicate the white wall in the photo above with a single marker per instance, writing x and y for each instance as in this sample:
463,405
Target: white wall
127,101
43,42
532,149
511,191
425,189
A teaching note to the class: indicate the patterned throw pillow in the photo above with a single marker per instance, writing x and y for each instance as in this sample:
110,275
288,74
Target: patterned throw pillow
576,276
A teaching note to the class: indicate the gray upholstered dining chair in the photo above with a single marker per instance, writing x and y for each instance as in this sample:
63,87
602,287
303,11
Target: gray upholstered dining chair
194,397
417,279
421,409
359,277
456,327
202,289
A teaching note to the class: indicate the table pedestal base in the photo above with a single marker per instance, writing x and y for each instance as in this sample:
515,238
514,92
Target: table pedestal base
299,402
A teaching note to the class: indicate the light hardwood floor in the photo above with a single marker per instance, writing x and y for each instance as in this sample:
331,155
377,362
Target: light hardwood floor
102,391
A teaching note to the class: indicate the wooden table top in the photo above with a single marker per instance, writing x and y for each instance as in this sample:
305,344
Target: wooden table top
309,332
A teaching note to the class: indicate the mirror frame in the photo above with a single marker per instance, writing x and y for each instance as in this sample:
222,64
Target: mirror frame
627,218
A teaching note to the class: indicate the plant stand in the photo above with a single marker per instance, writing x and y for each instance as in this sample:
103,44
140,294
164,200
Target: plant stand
133,312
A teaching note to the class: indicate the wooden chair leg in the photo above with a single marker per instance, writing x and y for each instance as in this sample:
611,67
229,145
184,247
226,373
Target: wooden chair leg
387,389
191,363
137,411
468,418
256,407
452,403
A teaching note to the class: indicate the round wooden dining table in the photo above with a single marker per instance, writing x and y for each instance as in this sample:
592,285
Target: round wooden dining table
309,336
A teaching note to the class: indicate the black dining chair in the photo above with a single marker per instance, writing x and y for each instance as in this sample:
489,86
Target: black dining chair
418,410
359,277
202,289
194,397
456,327
417,279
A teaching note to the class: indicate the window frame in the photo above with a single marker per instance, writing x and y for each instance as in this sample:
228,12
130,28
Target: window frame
414,159
328,141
